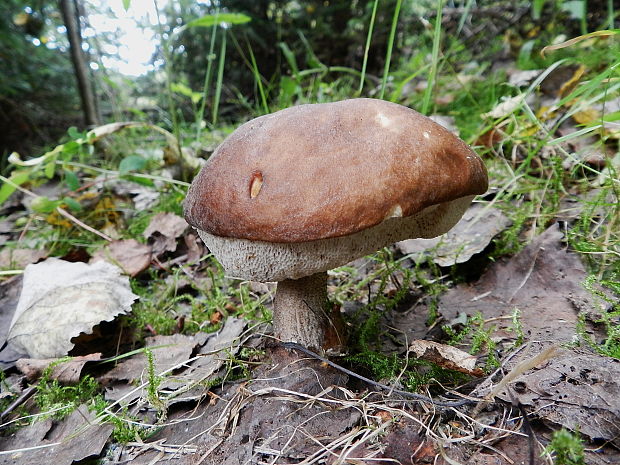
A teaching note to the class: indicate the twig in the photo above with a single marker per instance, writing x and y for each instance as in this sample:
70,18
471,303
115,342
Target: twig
24,396
72,218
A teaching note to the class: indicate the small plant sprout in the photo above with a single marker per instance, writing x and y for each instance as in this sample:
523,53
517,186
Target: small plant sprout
295,193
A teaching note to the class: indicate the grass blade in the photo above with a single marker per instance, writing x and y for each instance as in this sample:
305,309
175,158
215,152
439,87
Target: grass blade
206,83
220,76
367,47
388,55
435,59
258,79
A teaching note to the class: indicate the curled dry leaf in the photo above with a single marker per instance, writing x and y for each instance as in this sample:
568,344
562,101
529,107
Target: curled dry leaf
65,372
163,231
60,300
446,356
475,230
198,358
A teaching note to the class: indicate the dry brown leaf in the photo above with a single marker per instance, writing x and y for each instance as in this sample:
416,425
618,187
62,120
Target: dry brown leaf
9,296
65,372
77,437
446,356
132,256
195,247
19,258
168,351
163,231
543,282
60,300
478,226
576,390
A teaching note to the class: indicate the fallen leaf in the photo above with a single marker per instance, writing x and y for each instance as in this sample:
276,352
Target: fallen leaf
522,78
568,86
22,438
163,231
195,247
168,351
478,226
543,282
9,296
77,437
60,300
576,390
19,258
143,197
132,256
491,137
446,356
67,372
505,108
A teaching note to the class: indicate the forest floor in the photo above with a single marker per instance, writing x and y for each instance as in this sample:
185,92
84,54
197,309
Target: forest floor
508,326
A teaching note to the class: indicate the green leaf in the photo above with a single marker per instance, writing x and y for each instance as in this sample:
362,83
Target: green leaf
50,167
43,204
16,179
224,18
126,4
290,58
70,148
142,181
537,6
288,89
180,88
73,204
71,180
74,133
131,163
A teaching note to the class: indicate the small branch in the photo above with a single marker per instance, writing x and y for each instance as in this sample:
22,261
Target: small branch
73,219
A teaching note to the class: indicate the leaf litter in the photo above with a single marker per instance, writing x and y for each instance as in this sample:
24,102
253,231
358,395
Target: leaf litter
542,283
73,439
576,389
66,372
185,360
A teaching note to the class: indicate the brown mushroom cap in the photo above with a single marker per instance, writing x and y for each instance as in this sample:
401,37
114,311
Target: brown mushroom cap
322,171
312,187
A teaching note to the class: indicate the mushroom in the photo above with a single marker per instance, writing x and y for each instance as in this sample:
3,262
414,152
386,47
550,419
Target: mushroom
292,194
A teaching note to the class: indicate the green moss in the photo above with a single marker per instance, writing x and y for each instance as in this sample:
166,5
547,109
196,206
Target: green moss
566,448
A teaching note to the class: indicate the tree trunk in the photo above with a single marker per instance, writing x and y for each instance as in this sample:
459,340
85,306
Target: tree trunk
87,96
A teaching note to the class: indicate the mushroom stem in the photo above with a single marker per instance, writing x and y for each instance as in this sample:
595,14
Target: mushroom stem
300,310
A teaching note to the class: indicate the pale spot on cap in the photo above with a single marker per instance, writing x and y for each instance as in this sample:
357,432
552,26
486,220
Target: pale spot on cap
383,120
